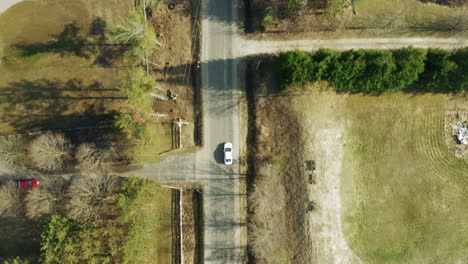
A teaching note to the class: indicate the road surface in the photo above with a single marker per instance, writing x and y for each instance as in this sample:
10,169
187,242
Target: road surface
222,225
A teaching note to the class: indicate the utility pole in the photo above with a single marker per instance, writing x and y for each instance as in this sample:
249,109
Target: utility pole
179,123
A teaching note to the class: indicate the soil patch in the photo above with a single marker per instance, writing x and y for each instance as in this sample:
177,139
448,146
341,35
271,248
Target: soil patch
175,64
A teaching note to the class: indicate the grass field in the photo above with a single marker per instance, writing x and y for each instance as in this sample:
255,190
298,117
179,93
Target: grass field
404,194
48,80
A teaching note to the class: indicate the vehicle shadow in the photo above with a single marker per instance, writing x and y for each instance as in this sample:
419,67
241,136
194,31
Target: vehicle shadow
218,154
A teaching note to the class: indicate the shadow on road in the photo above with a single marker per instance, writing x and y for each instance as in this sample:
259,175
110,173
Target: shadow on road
218,154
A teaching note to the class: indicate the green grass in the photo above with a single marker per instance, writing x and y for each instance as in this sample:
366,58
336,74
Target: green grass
146,210
404,194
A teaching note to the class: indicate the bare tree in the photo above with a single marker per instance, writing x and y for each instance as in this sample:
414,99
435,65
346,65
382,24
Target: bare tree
89,194
47,198
50,151
91,157
11,200
13,152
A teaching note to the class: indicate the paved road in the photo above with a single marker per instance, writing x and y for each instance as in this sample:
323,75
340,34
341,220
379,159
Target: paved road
222,240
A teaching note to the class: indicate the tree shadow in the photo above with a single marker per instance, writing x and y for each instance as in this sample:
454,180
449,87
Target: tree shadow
19,237
69,41
53,104
72,41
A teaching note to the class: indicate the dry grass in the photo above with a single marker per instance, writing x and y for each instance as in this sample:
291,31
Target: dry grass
374,18
50,151
51,90
188,226
268,228
279,141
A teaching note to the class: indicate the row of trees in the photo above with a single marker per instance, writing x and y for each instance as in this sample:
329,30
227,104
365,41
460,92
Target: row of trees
122,239
378,71
85,197
137,83
52,152
73,210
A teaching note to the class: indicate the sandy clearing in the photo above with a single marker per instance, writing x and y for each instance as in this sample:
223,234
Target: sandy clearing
5,4
324,128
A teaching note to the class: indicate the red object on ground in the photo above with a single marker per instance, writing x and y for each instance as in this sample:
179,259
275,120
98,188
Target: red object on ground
28,183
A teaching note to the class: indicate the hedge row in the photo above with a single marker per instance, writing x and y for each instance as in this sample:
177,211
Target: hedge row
378,71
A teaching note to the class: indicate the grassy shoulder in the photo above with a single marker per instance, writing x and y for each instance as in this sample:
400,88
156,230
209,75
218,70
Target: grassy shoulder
146,211
404,192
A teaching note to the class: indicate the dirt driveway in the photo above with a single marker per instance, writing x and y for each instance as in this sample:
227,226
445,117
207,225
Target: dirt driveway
321,117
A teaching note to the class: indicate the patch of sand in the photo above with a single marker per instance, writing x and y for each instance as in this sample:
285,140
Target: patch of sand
324,126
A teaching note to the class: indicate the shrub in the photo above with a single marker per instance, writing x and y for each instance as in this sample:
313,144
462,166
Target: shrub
89,195
133,30
11,200
460,76
50,151
295,67
46,199
91,157
376,71
410,64
13,151
437,75
58,240
137,85
67,241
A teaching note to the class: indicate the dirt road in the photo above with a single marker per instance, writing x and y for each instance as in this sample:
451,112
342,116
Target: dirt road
251,47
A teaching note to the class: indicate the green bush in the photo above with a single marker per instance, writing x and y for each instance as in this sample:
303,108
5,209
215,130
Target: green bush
410,64
445,71
67,241
295,67
137,85
377,71
59,239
